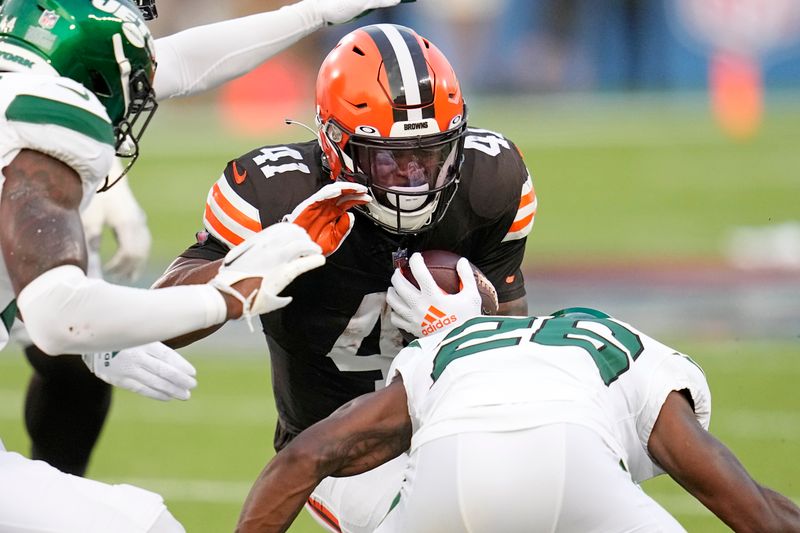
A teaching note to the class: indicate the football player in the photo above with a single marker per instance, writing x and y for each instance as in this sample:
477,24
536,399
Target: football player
65,405
76,88
526,424
394,147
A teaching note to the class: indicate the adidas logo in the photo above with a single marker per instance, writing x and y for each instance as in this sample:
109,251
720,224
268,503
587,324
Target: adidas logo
434,320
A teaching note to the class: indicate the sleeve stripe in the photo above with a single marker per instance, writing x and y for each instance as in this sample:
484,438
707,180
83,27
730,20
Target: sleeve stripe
523,221
527,186
237,201
218,199
524,211
514,235
38,110
218,230
527,199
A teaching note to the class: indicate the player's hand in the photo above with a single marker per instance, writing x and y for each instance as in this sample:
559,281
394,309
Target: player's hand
152,370
133,248
429,309
274,257
324,215
339,11
118,209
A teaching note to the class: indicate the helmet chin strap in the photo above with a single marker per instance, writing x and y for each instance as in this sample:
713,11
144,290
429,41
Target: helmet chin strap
124,70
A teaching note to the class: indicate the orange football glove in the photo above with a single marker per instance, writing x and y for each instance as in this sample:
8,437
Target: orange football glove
324,214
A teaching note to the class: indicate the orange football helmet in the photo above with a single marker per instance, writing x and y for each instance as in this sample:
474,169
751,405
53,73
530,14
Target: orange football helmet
391,116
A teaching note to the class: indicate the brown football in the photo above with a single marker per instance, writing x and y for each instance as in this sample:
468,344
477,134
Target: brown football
442,266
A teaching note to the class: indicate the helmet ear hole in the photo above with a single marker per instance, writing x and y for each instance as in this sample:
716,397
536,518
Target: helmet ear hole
99,84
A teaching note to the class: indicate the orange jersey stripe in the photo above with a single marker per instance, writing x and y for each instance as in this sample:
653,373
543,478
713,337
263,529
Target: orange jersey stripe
324,514
220,228
521,223
527,199
232,211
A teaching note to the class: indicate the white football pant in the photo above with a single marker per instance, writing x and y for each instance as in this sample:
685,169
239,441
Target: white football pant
357,504
37,498
559,478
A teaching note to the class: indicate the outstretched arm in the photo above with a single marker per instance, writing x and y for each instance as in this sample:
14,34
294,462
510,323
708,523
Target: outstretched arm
205,57
359,436
711,473
45,255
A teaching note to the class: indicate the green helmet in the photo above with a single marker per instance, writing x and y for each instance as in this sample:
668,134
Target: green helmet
102,44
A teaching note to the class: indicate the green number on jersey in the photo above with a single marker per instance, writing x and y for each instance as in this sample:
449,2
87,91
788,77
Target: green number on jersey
610,353
453,350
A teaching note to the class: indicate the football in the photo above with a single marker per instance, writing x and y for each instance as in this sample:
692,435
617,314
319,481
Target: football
442,266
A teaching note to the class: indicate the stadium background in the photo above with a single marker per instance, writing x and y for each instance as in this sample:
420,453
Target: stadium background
668,174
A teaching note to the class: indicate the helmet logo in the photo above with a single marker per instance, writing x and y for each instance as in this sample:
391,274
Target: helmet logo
132,24
48,19
455,122
368,130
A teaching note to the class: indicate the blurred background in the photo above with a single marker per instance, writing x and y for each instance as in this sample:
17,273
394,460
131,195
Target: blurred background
663,137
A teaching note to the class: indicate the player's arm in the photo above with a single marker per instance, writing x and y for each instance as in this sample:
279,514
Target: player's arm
207,56
710,472
65,312
359,436
324,216
518,307
189,271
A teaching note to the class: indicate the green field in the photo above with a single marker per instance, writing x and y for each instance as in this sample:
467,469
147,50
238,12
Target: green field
203,454
619,180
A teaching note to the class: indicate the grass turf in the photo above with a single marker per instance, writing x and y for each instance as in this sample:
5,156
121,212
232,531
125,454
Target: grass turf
203,454
618,180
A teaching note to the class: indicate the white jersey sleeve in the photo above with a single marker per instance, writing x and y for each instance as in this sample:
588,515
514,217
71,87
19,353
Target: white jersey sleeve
409,364
58,117
639,394
205,57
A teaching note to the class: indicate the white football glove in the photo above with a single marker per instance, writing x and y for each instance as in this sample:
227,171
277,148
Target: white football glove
429,309
340,11
118,209
324,215
277,254
153,370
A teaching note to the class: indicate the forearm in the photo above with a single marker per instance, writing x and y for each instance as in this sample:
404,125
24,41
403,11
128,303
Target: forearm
207,56
277,496
360,435
518,307
710,472
189,272
66,312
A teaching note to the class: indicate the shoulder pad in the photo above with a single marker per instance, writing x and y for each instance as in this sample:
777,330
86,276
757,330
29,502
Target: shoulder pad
58,117
259,188
496,179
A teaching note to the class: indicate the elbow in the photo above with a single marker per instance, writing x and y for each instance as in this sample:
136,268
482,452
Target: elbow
55,337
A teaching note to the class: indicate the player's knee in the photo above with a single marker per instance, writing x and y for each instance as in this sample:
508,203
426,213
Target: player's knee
166,523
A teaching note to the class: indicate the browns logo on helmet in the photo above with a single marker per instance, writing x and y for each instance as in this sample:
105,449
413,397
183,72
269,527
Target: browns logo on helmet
391,116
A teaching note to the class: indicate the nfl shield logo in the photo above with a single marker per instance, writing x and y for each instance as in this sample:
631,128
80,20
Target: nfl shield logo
48,19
